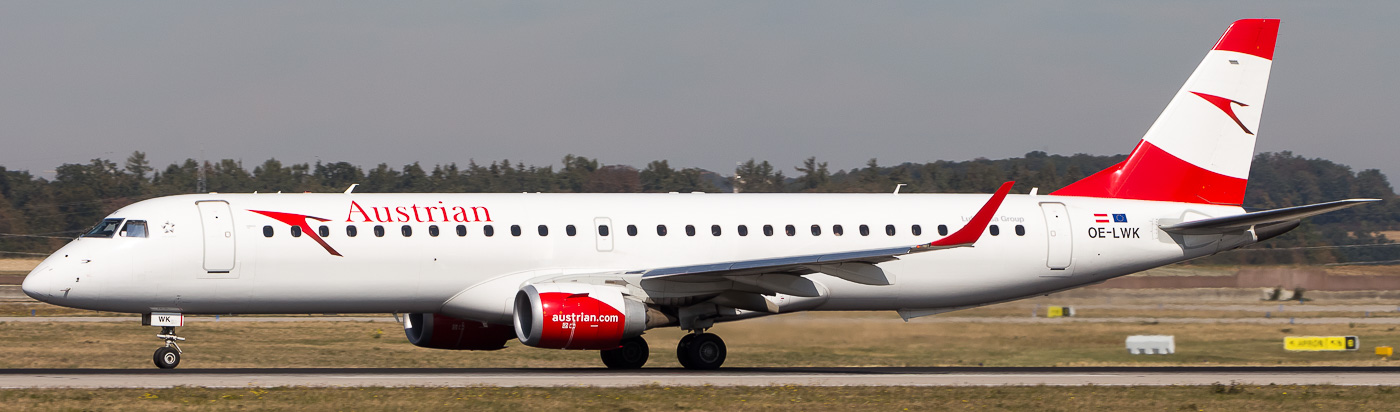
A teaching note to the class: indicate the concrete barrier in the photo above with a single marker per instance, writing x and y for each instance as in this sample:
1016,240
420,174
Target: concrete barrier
1151,344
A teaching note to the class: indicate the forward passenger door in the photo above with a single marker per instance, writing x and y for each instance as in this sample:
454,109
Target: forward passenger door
220,251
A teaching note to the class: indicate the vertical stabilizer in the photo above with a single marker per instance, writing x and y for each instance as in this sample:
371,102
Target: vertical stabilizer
1200,148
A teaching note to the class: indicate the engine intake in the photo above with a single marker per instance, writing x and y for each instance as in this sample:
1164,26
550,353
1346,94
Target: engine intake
431,330
576,316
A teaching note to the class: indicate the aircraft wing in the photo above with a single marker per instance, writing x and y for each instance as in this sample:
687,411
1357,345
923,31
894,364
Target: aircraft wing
1235,223
964,237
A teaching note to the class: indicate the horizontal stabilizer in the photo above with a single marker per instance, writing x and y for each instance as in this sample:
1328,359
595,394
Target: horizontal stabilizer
1245,221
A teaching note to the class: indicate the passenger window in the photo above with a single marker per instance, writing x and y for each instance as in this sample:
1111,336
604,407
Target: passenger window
661,230
690,230
461,230
837,230
714,230
994,230
864,230
1020,230
768,230
267,231
916,230
515,230
351,231
603,230
816,230
743,230
296,231
570,230
324,231
790,230
631,230
488,230
134,228
106,228
433,231
943,230
544,230
889,230
406,230
378,231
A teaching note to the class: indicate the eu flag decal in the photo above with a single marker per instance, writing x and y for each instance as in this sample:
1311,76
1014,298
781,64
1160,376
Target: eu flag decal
1120,218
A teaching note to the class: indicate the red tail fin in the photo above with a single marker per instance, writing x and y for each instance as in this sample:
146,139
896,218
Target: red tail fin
1200,149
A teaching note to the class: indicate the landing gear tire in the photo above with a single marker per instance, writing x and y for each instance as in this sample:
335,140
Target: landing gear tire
632,355
681,354
701,351
166,358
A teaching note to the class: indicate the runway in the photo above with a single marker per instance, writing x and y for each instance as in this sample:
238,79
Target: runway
874,376
1281,320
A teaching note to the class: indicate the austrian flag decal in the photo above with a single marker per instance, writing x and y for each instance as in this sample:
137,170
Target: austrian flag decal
1104,218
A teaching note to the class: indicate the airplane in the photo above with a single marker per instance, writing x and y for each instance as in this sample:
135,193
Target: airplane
472,271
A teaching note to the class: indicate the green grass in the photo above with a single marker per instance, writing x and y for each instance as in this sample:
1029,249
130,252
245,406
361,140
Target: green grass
1032,398
793,340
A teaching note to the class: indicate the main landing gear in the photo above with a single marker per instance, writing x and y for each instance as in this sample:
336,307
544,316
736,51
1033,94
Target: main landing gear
631,355
168,356
701,351
696,351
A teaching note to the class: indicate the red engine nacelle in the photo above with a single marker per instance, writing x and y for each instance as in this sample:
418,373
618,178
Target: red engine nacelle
431,330
576,316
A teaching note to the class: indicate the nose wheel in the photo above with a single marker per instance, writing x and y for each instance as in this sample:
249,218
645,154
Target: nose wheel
168,356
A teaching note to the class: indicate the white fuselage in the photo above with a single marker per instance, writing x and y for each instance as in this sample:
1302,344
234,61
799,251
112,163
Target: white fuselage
475,276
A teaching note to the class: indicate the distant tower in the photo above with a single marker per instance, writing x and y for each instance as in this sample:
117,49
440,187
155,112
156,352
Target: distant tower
737,180
200,186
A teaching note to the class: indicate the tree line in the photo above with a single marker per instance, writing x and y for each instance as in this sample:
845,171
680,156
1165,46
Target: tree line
38,215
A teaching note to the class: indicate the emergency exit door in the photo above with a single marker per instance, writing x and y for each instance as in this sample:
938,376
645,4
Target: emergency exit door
219,247
604,233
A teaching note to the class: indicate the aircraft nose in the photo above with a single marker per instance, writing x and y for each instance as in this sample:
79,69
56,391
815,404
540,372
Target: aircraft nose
36,284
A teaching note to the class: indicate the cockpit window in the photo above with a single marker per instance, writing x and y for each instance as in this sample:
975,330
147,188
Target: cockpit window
107,228
134,228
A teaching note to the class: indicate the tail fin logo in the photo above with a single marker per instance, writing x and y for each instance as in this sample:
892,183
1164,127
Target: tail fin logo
1224,105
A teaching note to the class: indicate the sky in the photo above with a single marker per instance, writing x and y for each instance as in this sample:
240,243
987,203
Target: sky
701,84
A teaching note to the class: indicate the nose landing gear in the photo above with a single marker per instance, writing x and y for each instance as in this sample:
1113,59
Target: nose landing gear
168,356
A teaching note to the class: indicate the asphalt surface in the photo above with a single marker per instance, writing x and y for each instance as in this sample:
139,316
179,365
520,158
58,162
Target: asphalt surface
1276,320
874,376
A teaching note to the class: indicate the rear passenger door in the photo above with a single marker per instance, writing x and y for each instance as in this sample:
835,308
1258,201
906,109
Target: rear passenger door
1059,249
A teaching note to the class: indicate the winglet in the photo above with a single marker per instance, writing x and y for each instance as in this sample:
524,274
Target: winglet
974,228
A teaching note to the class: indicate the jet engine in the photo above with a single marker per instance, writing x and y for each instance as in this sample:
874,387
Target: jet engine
576,316
431,330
